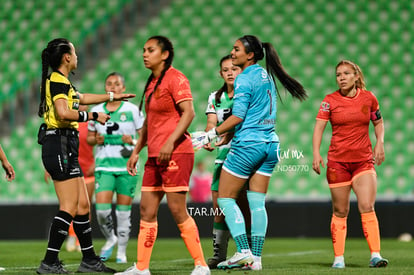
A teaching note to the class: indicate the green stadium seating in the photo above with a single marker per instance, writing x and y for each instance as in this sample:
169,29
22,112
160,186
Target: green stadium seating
310,36
28,25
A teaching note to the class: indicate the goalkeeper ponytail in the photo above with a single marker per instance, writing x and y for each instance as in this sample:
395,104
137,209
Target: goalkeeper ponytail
273,65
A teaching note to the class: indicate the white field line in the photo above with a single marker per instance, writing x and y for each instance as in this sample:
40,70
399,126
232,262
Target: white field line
290,254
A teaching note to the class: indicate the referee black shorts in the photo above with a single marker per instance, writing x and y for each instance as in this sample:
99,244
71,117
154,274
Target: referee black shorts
60,151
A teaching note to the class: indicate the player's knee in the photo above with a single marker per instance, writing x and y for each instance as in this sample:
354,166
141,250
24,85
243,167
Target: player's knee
341,212
365,207
148,213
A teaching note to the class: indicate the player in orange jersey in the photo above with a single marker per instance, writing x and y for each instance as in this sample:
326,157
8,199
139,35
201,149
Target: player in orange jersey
350,157
169,112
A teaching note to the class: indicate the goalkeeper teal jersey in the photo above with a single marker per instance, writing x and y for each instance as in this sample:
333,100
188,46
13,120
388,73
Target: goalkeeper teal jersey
126,120
223,110
255,103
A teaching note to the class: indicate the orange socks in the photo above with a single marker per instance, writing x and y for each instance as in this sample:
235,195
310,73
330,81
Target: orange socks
189,233
146,239
371,230
338,233
71,231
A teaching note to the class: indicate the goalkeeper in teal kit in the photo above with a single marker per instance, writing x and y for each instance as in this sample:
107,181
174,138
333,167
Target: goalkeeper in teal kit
254,148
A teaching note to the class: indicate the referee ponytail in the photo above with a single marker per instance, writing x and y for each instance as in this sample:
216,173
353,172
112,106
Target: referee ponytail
51,57
273,64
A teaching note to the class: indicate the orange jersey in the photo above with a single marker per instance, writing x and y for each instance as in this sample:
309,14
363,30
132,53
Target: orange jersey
163,113
86,159
350,118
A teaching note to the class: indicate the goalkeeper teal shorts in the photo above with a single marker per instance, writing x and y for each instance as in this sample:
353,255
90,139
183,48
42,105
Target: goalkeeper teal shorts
249,157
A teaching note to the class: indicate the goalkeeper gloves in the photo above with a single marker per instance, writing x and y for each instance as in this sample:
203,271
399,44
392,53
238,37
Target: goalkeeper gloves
199,139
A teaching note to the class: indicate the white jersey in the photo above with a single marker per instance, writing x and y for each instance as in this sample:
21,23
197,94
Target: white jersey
112,156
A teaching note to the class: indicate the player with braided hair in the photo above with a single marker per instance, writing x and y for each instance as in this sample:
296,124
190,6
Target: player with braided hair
169,112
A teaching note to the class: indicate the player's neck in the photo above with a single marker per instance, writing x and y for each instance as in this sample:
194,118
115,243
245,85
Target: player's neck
349,93
230,91
113,106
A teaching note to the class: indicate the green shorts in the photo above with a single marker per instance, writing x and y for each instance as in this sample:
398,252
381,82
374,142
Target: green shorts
123,184
216,176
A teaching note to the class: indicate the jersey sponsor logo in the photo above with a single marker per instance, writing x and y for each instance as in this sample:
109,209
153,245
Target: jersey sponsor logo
325,107
267,121
172,166
111,127
265,77
223,114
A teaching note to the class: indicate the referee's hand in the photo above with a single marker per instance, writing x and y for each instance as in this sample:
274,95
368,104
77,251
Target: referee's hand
103,118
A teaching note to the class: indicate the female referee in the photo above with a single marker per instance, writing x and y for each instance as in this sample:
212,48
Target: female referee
169,112
350,157
253,152
59,103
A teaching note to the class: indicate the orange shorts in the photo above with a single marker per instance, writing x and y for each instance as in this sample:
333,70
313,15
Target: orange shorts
344,173
168,177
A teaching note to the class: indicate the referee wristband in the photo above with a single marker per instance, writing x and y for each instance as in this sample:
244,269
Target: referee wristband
111,96
95,116
83,116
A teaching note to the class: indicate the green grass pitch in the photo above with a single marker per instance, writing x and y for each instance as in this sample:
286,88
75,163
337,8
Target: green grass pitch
280,256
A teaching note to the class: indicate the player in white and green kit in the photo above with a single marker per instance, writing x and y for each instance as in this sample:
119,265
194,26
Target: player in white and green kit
219,108
114,143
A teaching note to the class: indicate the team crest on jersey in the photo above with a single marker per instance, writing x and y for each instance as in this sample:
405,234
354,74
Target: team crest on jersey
325,107
123,117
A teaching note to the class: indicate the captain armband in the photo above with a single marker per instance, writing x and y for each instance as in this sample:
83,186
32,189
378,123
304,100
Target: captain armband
83,116
376,115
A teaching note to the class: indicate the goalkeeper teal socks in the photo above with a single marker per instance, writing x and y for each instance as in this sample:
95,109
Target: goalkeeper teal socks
259,220
233,216
241,243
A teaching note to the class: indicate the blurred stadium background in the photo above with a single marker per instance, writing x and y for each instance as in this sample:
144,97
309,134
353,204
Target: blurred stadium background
310,36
